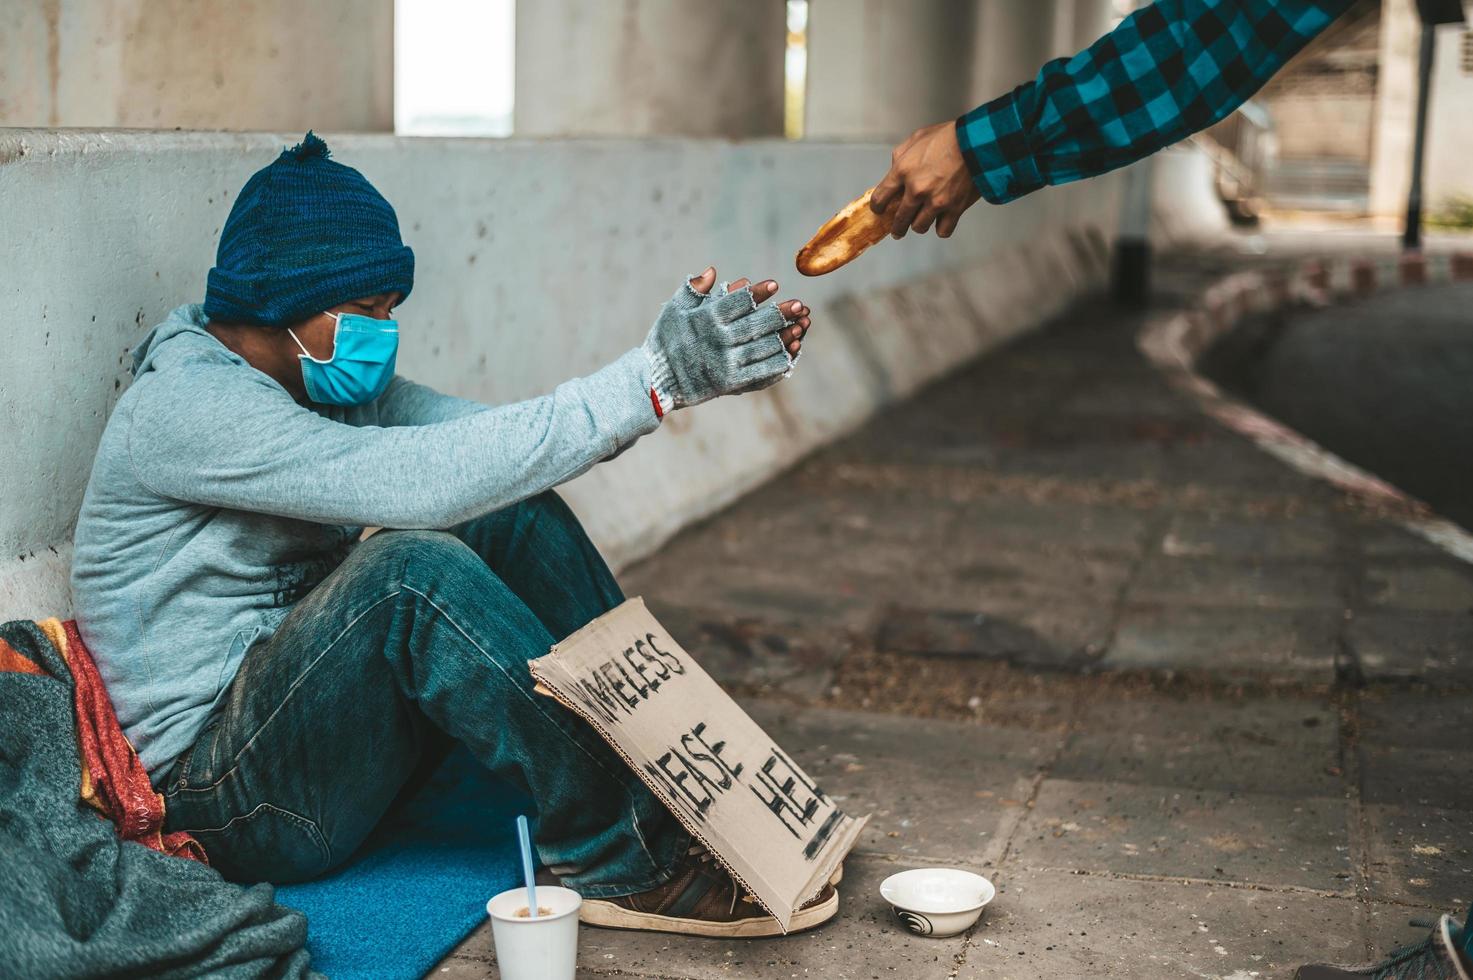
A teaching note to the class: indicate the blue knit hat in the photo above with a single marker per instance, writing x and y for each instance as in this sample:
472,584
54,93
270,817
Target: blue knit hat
305,234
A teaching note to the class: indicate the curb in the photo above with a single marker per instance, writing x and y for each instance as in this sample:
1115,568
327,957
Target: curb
1173,342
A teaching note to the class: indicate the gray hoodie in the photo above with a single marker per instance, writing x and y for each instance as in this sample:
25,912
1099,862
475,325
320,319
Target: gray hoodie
217,501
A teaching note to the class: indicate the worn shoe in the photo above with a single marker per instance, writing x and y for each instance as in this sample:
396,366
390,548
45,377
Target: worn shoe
702,899
1434,958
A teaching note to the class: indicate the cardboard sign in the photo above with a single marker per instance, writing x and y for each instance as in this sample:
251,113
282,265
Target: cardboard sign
730,785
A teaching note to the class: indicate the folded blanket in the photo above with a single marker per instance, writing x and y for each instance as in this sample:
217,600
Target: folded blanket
114,782
76,900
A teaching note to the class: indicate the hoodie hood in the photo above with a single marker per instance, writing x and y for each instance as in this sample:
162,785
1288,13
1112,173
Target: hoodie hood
182,336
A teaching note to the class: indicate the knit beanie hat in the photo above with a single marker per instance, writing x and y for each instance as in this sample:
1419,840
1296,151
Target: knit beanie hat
306,233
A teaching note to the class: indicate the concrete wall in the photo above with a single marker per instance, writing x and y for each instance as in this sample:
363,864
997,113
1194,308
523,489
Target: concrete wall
530,271
198,64
649,67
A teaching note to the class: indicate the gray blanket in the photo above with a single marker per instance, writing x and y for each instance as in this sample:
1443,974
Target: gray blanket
75,901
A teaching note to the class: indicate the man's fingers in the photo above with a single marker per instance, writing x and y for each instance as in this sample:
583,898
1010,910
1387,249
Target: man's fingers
886,191
904,215
738,304
946,224
796,315
924,220
760,349
703,282
693,291
734,286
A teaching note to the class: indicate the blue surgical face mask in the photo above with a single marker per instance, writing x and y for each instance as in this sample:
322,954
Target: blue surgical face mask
362,362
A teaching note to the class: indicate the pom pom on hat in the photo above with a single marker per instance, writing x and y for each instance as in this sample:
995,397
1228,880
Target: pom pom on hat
311,146
305,234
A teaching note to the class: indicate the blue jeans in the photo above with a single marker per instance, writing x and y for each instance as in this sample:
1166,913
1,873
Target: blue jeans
417,639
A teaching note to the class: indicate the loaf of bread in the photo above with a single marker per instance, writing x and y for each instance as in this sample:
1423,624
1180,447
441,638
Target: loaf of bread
843,237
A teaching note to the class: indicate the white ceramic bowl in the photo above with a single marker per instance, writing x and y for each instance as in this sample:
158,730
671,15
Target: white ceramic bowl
937,901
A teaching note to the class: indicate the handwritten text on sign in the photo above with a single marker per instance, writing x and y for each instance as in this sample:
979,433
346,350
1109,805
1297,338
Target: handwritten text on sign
726,781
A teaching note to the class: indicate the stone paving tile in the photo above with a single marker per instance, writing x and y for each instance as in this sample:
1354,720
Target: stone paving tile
1227,464
1216,536
746,649
977,635
1415,719
1140,394
1420,856
1207,834
1168,581
1054,924
1443,586
988,570
1145,462
1413,645
1383,540
1435,777
936,789
1226,640
863,942
1007,525
1056,625
1386,926
1281,747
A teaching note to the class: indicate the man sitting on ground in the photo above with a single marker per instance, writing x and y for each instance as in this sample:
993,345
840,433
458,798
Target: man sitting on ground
283,680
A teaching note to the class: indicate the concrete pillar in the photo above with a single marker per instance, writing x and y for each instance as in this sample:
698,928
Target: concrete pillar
198,64
650,68
1449,135
879,69
1061,27
1011,41
1396,107
1091,22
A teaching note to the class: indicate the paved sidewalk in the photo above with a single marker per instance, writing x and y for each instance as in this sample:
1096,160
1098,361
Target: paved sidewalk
1047,622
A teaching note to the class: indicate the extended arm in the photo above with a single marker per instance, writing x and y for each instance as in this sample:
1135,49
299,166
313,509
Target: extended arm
1166,71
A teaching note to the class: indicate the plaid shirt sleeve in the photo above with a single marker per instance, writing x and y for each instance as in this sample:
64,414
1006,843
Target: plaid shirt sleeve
1167,71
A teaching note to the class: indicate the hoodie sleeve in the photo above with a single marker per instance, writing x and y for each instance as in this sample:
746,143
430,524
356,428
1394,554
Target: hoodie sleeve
233,438
406,402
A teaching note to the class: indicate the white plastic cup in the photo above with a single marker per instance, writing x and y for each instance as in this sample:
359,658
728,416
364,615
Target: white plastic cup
544,948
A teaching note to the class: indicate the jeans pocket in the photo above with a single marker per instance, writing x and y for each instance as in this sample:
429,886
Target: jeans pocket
267,843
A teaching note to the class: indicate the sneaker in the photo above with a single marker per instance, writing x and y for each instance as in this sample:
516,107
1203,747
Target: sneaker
1434,958
702,899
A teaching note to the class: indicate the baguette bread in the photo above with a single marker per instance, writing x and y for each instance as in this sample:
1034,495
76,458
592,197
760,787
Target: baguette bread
843,237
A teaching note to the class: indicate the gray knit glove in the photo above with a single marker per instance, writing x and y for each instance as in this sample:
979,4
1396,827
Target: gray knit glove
704,346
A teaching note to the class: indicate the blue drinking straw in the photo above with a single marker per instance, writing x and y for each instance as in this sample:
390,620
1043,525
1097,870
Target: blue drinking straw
524,837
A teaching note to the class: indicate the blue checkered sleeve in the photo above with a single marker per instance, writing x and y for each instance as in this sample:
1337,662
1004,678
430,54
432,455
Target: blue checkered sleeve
1167,71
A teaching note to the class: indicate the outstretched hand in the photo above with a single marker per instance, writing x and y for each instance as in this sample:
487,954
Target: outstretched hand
795,314
709,342
928,183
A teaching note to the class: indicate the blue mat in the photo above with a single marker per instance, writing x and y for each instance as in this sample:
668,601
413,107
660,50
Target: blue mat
419,885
